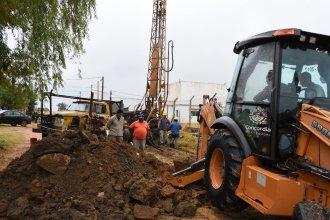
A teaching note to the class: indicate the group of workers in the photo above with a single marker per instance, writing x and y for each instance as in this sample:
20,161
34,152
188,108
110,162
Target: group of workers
141,130
165,125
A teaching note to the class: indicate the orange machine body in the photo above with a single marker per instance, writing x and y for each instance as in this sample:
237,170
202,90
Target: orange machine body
276,194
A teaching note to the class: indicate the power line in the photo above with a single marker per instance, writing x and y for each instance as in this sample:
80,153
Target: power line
77,86
85,78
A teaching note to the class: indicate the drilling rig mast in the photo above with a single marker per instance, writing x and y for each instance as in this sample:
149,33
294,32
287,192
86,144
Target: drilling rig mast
158,68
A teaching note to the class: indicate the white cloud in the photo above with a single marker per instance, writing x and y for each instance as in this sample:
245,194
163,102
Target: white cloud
204,32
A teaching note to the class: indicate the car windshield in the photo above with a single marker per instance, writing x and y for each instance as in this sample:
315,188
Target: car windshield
81,107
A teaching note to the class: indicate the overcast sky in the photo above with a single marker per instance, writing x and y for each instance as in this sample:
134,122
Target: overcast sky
204,33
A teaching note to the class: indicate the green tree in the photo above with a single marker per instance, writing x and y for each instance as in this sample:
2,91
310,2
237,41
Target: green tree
46,34
61,106
17,97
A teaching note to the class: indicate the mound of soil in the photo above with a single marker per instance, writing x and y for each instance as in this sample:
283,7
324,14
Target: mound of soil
74,175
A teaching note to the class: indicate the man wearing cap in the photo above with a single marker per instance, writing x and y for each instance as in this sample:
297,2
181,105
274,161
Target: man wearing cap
175,129
116,126
312,90
163,125
140,132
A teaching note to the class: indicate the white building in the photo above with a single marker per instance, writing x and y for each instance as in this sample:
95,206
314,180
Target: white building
181,92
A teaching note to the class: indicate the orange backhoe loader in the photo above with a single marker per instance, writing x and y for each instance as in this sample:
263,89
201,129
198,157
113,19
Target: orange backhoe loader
270,148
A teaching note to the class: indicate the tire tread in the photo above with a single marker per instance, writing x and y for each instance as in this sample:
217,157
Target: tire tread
225,198
310,210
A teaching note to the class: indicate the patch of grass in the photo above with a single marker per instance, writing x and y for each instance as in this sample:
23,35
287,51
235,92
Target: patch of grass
9,140
188,142
194,125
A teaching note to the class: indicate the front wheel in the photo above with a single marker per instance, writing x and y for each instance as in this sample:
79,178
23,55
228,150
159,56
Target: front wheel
223,164
24,123
310,210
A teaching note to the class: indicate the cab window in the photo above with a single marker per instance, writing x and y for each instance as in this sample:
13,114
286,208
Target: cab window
304,79
100,109
255,81
312,83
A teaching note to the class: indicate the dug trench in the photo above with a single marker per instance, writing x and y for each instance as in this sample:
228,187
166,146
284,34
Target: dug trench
76,175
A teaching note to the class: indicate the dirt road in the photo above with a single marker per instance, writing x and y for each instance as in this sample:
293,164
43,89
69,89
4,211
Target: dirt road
16,151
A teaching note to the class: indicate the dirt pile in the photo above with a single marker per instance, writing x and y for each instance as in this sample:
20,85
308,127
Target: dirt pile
72,175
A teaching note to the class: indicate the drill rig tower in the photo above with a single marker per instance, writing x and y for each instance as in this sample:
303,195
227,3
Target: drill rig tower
158,77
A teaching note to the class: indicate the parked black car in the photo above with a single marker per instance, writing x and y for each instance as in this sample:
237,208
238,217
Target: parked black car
14,118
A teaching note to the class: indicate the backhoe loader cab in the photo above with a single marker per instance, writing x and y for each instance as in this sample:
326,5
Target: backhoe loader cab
271,149
275,73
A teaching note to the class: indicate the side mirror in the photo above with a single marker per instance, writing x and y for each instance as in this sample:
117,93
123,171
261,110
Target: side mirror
2,114
247,52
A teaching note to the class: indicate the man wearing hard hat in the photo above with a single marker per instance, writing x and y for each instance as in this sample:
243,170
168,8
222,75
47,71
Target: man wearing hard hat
163,125
175,129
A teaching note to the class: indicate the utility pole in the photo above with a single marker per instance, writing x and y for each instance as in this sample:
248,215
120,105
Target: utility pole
102,87
110,95
97,96
91,87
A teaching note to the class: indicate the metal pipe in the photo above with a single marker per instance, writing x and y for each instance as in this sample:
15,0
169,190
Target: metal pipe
42,110
76,97
193,167
190,110
217,107
91,105
50,108
168,70
213,96
174,108
168,56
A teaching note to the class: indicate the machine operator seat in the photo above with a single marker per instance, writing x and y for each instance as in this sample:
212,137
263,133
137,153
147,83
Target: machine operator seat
287,116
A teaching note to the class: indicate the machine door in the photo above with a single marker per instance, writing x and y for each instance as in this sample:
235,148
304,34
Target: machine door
304,79
252,98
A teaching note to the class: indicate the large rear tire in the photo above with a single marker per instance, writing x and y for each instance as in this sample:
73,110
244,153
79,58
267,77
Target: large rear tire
223,166
310,210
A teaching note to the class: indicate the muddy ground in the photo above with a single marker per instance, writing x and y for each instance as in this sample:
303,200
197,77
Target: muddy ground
74,175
